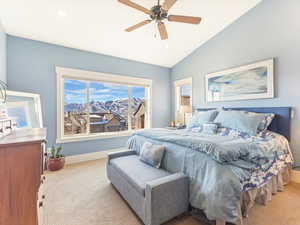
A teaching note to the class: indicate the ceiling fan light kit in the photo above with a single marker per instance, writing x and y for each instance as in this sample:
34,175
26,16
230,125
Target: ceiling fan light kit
159,13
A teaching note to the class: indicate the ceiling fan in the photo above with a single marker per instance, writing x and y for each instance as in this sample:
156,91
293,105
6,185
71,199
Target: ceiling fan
159,13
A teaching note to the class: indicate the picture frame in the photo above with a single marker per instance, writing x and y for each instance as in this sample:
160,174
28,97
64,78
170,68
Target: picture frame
252,81
25,108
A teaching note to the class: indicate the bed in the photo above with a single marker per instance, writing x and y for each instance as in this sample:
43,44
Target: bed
228,173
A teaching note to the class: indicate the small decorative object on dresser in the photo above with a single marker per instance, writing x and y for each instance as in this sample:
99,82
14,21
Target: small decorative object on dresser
56,161
7,124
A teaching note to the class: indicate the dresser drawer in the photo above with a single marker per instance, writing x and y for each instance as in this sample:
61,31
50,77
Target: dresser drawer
41,200
40,212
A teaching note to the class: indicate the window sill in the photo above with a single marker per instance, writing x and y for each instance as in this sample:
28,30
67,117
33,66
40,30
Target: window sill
93,137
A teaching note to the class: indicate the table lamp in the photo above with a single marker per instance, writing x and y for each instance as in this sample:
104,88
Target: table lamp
185,109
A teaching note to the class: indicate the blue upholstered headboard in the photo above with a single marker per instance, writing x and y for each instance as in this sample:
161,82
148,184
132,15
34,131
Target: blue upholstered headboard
281,123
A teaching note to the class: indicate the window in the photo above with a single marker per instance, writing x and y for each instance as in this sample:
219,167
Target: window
183,98
138,108
93,105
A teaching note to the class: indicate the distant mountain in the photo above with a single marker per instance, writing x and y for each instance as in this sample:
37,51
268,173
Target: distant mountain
119,107
74,107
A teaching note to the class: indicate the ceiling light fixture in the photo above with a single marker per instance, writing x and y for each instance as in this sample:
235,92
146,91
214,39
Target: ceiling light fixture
61,13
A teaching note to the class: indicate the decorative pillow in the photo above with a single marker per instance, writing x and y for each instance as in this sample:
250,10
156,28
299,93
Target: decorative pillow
202,117
209,128
195,129
266,121
240,121
225,131
152,154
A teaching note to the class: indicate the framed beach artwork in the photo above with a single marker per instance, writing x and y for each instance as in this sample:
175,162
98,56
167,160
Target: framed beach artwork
253,81
25,109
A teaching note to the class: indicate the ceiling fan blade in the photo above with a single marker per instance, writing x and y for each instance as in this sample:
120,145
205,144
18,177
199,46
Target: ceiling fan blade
162,30
134,27
184,19
135,6
168,4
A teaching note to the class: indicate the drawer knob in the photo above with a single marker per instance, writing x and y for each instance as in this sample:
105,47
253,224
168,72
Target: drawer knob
41,204
43,196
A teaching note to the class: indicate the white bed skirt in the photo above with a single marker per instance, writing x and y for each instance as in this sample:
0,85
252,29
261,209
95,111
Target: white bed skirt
264,194
249,198
261,195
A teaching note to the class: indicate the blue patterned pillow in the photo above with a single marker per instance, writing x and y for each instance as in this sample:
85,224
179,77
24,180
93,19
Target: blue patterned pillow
209,128
224,131
152,154
202,117
266,121
195,129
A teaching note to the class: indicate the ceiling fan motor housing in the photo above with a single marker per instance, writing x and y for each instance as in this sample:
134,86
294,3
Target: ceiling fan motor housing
158,13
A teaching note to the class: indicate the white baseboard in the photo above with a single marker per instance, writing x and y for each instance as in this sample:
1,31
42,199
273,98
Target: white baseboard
90,156
295,176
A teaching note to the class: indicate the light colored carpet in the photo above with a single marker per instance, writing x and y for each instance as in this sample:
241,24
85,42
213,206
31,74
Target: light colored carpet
80,194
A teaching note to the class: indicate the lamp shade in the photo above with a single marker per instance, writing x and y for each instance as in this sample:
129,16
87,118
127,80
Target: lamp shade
185,109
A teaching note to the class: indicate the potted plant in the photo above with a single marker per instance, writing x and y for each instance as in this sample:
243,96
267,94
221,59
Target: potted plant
56,160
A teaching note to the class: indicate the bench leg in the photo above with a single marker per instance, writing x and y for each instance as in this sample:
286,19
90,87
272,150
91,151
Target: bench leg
220,222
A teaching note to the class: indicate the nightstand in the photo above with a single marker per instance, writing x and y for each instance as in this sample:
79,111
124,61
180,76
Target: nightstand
175,128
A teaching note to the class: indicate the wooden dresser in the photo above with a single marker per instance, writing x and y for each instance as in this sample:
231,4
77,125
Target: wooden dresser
21,177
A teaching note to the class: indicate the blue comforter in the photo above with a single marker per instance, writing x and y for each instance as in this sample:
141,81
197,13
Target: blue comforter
219,167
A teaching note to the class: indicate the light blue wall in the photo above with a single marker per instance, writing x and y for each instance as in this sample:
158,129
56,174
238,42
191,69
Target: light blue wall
271,29
31,68
2,54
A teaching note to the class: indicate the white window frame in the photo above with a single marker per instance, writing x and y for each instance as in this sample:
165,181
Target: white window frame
68,73
177,85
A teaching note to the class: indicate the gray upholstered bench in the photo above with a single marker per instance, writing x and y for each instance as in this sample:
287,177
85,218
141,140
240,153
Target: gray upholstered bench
154,194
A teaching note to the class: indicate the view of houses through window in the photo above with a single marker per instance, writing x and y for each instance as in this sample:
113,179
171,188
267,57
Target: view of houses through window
185,94
98,107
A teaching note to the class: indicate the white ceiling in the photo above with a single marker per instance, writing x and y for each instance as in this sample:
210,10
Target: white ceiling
97,26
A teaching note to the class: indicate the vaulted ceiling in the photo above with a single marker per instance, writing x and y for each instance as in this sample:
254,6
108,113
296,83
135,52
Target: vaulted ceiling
98,26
